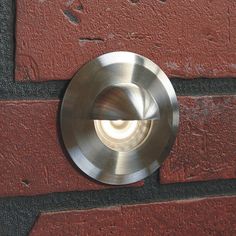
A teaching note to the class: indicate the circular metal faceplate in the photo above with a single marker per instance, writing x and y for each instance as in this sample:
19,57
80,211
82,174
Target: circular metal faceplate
119,118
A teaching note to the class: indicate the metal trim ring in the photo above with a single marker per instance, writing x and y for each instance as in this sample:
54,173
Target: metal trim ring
119,86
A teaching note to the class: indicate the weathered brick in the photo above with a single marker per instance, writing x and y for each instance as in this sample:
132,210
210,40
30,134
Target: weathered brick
34,162
186,38
31,154
209,216
206,144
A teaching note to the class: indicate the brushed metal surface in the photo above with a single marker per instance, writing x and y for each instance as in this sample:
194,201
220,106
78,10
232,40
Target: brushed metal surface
119,118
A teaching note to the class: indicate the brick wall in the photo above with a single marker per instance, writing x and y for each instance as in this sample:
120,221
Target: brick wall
43,43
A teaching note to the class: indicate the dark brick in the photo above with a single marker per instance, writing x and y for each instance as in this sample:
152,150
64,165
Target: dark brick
33,161
209,216
186,38
205,148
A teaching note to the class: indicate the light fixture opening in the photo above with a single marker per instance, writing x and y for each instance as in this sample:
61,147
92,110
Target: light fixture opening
122,135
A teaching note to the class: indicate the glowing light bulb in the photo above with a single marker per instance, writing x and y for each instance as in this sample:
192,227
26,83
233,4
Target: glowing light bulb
122,135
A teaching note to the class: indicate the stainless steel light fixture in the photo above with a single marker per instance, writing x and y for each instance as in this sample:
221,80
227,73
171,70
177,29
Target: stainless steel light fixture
119,118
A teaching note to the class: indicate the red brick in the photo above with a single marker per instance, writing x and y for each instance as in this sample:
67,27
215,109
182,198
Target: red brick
186,38
209,216
33,161
31,155
206,144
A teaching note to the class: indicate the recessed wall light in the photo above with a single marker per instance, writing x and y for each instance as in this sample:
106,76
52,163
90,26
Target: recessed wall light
119,118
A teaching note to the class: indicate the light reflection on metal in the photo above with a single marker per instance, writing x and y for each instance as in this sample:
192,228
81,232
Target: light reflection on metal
126,102
119,118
